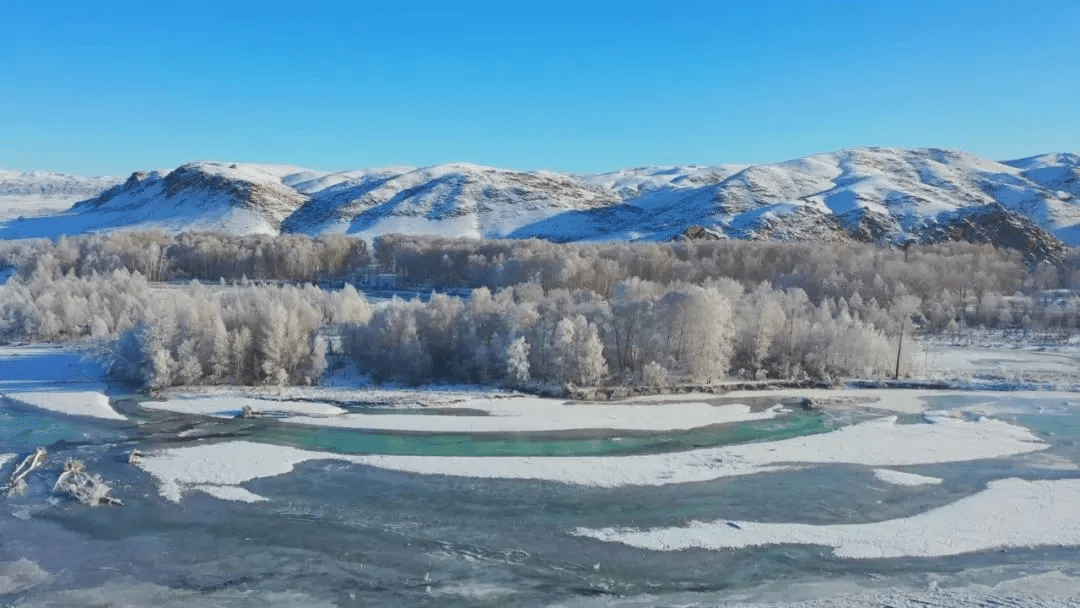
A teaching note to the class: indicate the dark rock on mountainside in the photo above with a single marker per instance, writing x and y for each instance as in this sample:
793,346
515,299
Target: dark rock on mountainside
995,225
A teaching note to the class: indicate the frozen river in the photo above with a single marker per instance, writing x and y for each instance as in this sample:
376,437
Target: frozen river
455,498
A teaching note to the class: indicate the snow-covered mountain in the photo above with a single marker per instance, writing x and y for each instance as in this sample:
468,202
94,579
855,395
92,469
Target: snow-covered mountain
32,193
454,199
882,195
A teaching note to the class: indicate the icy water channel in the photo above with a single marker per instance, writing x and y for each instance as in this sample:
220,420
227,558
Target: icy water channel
338,533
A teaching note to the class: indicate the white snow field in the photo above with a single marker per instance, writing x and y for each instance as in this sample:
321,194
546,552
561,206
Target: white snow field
82,403
231,407
905,479
1009,513
493,415
1059,365
878,443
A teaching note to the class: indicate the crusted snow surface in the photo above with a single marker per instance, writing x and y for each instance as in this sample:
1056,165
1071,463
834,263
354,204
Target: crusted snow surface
75,403
6,458
1009,513
875,443
905,479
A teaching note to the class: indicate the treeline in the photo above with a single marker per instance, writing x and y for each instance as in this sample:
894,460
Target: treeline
645,333
242,333
159,256
249,335
957,284
539,314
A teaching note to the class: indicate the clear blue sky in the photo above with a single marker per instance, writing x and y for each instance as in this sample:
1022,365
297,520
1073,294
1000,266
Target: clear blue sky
109,87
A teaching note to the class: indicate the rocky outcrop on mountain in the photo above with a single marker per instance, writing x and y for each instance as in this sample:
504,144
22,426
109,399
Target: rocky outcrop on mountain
247,188
697,233
995,225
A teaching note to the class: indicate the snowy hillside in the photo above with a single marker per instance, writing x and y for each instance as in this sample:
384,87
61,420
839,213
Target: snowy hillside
882,195
456,199
243,199
27,194
869,194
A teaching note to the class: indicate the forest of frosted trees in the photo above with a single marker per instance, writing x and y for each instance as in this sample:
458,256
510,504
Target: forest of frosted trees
537,315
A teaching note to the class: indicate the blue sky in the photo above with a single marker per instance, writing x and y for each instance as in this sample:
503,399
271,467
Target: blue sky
110,87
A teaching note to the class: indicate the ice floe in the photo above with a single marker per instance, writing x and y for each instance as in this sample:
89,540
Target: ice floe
1009,513
20,575
221,464
74,403
229,493
905,479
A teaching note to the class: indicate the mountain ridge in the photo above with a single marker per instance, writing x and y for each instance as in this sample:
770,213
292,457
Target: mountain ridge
882,195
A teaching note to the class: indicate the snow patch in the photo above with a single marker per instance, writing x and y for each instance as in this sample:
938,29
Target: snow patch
905,479
1009,513
475,591
222,465
229,493
78,403
231,407
532,414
